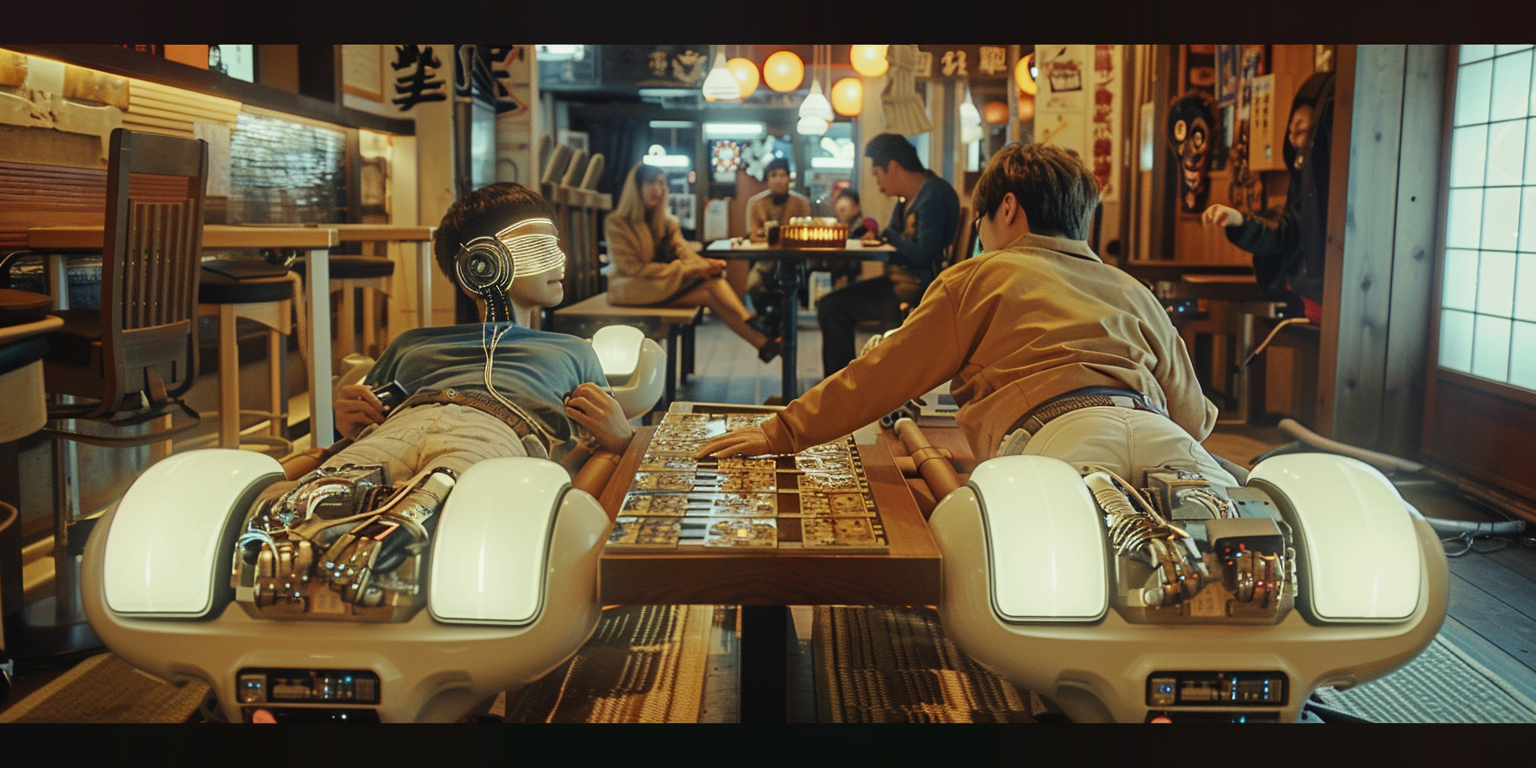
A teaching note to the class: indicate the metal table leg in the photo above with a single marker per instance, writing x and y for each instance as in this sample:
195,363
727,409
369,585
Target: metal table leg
764,658
790,278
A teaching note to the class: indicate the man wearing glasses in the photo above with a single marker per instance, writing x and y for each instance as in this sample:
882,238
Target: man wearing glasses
1049,350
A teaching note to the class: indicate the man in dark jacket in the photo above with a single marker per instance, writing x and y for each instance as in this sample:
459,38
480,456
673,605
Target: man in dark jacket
1289,245
922,225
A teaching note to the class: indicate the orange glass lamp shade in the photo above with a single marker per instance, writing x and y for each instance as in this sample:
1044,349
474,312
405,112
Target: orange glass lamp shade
869,60
1022,77
783,71
745,73
1026,107
848,97
992,113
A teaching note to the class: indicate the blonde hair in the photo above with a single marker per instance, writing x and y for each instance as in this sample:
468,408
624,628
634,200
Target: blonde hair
631,207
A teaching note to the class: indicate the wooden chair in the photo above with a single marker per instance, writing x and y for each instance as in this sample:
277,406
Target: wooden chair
960,250
131,361
125,367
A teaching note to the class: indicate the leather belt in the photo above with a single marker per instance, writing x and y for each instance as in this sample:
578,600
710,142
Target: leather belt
1087,397
474,399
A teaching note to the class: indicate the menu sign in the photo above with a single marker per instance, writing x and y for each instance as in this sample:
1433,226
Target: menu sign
977,63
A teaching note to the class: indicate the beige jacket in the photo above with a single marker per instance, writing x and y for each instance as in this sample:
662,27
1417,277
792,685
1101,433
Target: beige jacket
646,270
760,209
1012,329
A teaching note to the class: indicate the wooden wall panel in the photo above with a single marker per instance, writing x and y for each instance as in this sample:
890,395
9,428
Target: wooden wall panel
1414,243
1360,317
1483,435
156,108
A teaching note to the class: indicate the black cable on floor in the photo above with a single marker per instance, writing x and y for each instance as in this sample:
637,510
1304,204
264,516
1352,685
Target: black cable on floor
1330,715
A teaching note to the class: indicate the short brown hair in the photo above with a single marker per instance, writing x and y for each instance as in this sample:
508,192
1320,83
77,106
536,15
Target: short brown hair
483,213
1056,191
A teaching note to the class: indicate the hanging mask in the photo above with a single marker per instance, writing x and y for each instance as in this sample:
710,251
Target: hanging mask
488,265
1191,134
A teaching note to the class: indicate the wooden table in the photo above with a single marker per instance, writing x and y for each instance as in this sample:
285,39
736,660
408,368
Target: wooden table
58,242
791,279
1239,295
764,583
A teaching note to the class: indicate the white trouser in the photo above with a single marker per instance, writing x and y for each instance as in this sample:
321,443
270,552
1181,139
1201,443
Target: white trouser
1126,442
426,436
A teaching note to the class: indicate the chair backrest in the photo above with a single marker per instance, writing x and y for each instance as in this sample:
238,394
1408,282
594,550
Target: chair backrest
555,170
594,171
151,256
960,249
574,170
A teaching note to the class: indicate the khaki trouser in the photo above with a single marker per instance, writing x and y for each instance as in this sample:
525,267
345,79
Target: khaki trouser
1126,442
427,436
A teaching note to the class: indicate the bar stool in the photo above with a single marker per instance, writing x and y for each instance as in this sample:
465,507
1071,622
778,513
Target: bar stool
349,273
231,289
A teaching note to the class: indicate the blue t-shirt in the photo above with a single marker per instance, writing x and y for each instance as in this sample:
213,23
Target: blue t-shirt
534,370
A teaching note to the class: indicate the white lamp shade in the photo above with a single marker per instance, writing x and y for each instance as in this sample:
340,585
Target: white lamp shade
970,122
721,85
812,126
816,104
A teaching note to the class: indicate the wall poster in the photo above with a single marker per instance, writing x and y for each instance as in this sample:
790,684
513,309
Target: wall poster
1078,107
362,71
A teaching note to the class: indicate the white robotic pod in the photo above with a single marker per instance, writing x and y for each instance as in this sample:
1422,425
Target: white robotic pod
634,365
167,545
1204,658
1357,536
528,609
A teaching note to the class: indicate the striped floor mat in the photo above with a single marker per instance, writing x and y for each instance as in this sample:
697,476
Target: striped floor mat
644,664
1442,685
894,665
105,689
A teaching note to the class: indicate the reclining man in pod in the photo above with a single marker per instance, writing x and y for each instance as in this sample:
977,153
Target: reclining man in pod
454,395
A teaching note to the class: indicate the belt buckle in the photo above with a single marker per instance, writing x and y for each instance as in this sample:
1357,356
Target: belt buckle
451,393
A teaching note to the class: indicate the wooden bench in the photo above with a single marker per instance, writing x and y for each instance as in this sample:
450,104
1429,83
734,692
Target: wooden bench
675,323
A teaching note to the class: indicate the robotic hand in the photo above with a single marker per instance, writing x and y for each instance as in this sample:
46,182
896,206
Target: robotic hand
304,601
340,543
1183,600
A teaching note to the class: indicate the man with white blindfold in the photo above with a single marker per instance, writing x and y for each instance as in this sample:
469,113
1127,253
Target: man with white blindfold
454,395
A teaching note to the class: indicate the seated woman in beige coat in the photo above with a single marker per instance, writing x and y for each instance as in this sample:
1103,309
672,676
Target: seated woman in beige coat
653,265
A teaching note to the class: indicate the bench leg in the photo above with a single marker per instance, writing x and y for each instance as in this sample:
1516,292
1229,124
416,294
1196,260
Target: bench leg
672,365
687,351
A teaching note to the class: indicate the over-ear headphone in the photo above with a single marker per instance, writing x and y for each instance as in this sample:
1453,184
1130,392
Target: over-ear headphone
488,265
486,269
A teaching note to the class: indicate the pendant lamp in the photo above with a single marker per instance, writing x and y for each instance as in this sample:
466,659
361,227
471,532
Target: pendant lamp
970,119
815,112
848,96
816,104
783,71
1024,77
721,85
745,73
869,60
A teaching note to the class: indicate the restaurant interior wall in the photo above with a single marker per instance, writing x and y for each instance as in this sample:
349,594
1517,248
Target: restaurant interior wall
268,167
